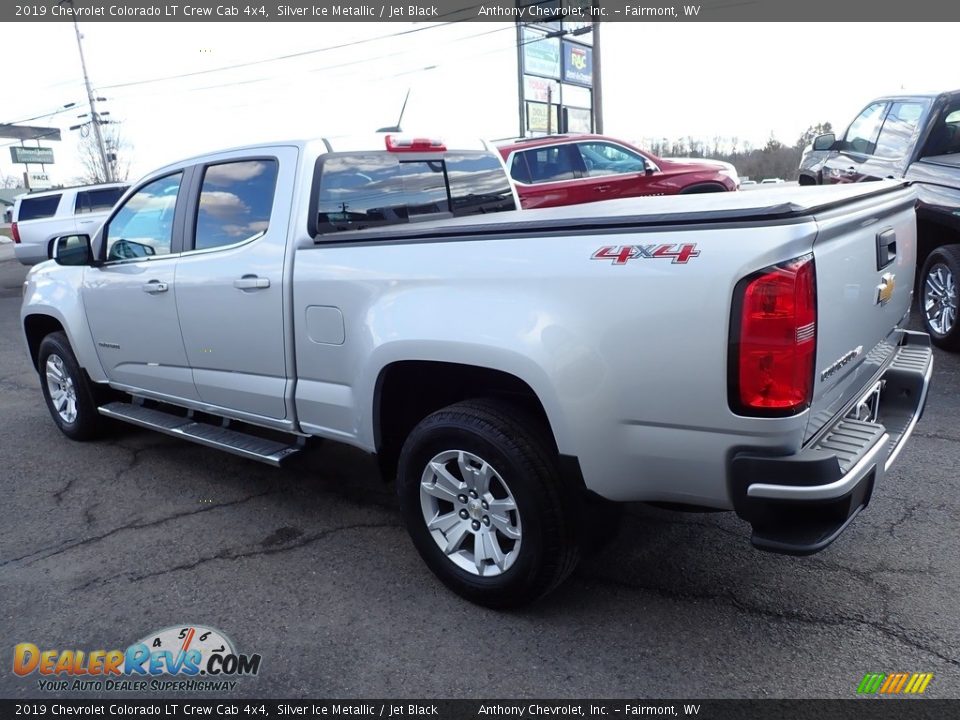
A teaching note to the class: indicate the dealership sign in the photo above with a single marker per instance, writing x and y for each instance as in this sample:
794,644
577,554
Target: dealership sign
37,181
577,64
540,119
541,55
26,155
540,89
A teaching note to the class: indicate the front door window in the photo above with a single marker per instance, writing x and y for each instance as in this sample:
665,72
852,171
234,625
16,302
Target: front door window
144,225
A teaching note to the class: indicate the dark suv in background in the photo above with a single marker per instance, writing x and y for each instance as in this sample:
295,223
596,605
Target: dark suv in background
917,138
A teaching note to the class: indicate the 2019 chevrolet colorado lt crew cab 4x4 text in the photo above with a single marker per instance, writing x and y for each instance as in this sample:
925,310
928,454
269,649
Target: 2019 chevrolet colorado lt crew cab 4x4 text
916,138
511,369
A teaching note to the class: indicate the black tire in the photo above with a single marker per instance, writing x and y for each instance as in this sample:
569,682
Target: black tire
513,444
704,188
88,423
942,260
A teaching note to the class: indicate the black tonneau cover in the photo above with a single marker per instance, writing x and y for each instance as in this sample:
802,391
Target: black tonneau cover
775,204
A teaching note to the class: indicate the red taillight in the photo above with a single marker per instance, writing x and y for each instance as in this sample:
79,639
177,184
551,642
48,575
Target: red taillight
15,233
775,339
401,144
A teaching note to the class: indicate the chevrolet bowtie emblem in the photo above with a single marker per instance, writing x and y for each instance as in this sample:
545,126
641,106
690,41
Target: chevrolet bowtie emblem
885,289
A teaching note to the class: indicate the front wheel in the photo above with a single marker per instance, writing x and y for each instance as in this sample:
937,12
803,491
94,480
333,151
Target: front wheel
939,296
69,395
482,499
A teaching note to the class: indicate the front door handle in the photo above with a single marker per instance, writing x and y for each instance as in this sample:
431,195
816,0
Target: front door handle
251,282
602,188
155,286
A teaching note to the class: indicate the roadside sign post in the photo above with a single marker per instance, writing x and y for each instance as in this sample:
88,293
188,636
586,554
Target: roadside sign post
556,71
38,155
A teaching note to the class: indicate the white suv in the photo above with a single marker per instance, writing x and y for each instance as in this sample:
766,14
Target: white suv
39,217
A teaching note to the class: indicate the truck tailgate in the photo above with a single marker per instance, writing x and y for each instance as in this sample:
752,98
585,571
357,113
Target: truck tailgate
865,256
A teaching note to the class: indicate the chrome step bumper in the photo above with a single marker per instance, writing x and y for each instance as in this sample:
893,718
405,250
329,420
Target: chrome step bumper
800,503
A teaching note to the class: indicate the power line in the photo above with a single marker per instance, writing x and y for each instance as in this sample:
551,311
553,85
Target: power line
511,47
304,53
324,69
278,58
62,109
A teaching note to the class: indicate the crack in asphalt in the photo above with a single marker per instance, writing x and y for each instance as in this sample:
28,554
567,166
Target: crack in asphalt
67,545
905,517
229,554
10,385
935,436
58,495
728,597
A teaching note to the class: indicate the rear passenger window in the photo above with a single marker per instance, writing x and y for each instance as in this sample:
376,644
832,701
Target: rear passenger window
91,201
945,137
552,164
369,190
38,207
519,170
898,129
235,202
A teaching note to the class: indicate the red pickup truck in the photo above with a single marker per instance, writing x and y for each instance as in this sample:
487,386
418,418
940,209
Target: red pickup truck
570,169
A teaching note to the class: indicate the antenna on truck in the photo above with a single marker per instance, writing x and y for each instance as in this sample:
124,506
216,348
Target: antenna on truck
396,128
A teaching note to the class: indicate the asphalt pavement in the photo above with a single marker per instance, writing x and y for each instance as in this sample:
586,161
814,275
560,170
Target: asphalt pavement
103,543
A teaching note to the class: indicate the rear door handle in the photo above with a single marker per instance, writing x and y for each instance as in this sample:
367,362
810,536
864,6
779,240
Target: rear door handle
155,286
602,188
251,282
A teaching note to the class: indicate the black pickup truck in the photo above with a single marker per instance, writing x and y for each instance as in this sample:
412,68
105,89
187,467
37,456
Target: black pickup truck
915,137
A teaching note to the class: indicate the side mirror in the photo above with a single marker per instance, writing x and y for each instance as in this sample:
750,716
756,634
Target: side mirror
648,168
72,250
824,142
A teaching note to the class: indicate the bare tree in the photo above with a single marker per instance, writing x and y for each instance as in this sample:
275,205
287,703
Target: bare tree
10,181
811,132
118,154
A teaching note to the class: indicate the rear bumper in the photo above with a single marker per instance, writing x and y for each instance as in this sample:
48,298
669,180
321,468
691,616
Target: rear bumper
30,253
800,503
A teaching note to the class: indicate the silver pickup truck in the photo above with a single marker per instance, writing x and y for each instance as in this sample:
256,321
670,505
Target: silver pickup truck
514,371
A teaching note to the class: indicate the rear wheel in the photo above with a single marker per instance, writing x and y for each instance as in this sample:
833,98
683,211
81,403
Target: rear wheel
70,396
939,296
482,499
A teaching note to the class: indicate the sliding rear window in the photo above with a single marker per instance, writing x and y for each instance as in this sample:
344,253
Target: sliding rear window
364,190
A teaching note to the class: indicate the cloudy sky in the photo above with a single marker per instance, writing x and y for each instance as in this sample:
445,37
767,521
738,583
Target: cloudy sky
165,83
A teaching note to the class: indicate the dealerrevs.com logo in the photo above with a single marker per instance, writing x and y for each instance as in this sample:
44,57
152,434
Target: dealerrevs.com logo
180,658
894,683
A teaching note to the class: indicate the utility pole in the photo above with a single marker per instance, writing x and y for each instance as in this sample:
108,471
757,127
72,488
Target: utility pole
94,118
597,84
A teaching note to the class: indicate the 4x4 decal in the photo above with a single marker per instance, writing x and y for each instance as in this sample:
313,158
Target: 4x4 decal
620,254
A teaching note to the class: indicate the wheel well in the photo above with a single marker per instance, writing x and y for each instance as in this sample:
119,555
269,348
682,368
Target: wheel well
703,188
408,391
930,236
806,180
37,327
